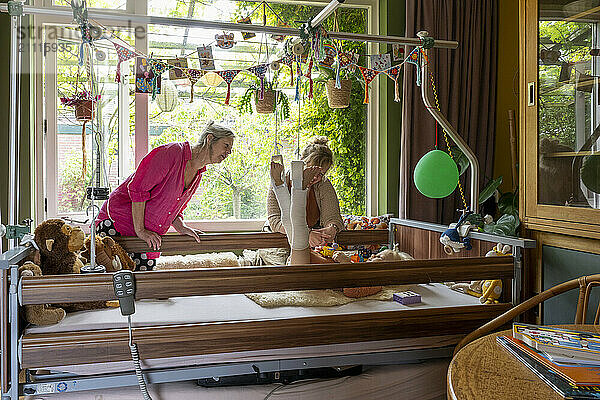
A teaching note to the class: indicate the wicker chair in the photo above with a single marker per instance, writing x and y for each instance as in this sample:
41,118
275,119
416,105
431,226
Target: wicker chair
585,284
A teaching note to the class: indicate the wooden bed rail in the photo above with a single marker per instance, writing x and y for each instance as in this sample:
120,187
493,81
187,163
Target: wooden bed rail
180,244
216,281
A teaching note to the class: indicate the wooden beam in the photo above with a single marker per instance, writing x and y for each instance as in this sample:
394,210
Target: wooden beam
213,281
55,349
182,244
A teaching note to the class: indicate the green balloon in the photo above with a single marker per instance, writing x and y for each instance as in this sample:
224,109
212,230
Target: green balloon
436,174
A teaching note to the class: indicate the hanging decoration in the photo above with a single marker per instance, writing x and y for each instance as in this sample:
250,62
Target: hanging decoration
246,35
228,77
167,99
260,70
178,65
368,75
157,67
436,174
144,77
330,53
124,54
381,62
211,78
205,56
225,40
346,60
394,74
415,58
309,76
193,75
298,79
397,52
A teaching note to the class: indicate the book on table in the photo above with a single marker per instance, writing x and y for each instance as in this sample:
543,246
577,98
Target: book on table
559,342
558,383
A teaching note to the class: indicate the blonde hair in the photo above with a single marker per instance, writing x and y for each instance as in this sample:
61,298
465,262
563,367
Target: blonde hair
218,132
317,152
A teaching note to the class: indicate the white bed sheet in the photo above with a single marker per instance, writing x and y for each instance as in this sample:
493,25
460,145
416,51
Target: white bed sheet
423,381
237,307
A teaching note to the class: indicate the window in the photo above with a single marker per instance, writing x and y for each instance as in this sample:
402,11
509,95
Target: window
236,189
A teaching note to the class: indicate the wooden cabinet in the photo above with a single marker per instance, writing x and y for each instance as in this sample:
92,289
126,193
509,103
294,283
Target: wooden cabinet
560,116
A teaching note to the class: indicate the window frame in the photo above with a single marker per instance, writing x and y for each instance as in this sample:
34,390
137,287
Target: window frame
46,137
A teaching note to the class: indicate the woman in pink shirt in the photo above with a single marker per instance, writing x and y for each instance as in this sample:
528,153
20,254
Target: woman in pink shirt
153,198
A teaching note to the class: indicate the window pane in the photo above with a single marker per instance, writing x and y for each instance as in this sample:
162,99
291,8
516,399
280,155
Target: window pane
237,187
109,4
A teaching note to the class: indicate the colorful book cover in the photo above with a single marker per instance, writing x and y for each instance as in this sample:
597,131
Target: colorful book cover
578,374
564,342
551,378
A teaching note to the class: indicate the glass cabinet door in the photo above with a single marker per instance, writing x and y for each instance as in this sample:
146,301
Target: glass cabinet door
568,103
560,136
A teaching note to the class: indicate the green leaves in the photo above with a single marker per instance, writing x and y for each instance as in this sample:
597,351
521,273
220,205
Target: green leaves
489,190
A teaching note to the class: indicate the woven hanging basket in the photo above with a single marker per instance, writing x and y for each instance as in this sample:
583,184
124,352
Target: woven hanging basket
83,110
267,104
339,98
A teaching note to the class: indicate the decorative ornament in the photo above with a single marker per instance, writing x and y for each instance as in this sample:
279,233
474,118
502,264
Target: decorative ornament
275,66
309,76
394,74
260,70
381,62
157,67
205,56
100,55
167,99
246,35
346,60
368,74
298,49
211,79
193,75
178,66
330,52
415,58
436,174
124,54
144,77
228,77
225,41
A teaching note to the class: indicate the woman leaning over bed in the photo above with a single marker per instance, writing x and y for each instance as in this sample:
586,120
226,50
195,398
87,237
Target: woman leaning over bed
153,198
322,205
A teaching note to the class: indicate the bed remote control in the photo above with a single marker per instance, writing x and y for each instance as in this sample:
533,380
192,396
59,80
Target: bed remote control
124,285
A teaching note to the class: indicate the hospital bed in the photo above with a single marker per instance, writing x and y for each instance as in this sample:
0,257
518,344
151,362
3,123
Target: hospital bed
193,324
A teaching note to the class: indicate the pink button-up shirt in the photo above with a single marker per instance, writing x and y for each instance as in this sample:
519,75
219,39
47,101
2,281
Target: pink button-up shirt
159,181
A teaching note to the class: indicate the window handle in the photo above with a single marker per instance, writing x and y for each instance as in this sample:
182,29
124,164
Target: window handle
531,94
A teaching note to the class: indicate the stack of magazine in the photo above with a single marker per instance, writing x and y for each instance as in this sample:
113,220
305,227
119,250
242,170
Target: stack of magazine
568,361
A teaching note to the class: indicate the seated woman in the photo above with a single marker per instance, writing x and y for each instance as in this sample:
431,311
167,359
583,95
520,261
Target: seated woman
323,219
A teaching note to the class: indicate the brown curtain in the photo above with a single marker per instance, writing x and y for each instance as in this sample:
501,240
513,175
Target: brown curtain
465,79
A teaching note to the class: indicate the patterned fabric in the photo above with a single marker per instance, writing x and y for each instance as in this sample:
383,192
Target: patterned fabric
143,261
394,74
228,77
289,61
260,70
415,58
346,60
193,75
124,54
368,74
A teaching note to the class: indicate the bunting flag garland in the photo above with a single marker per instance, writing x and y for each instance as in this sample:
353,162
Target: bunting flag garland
289,61
346,59
124,54
394,74
415,58
368,74
309,76
260,70
158,67
228,77
193,75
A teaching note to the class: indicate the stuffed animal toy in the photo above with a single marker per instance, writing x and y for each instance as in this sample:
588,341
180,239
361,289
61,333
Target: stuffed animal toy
491,291
58,243
108,253
455,237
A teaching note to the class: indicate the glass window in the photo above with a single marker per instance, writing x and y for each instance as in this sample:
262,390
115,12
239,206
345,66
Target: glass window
109,4
569,104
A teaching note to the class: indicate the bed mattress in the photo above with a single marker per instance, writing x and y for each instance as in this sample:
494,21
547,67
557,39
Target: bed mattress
239,308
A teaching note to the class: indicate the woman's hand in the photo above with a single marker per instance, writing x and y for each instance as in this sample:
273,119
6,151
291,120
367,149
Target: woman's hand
153,239
277,173
328,233
316,238
186,230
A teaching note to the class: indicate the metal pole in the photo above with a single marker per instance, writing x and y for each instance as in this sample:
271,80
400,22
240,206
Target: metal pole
449,129
326,12
14,332
108,17
14,102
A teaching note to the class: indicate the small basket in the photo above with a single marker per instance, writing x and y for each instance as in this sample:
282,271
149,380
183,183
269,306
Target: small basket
83,110
267,104
339,98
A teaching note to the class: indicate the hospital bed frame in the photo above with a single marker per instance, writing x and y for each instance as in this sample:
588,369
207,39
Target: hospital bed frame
47,350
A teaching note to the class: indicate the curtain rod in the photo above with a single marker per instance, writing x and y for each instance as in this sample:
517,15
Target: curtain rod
107,16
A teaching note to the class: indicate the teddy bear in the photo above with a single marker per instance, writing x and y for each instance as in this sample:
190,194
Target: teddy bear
58,244
108,254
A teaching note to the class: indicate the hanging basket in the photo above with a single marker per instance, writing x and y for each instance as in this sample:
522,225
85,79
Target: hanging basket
83,110
267,104
339,98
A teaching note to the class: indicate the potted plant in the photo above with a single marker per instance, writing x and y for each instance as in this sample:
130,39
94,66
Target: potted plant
272,99
337,97
83,103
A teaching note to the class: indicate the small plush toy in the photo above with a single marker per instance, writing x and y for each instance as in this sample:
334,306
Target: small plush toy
109,254
491,291
58,244
455,237
327,251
